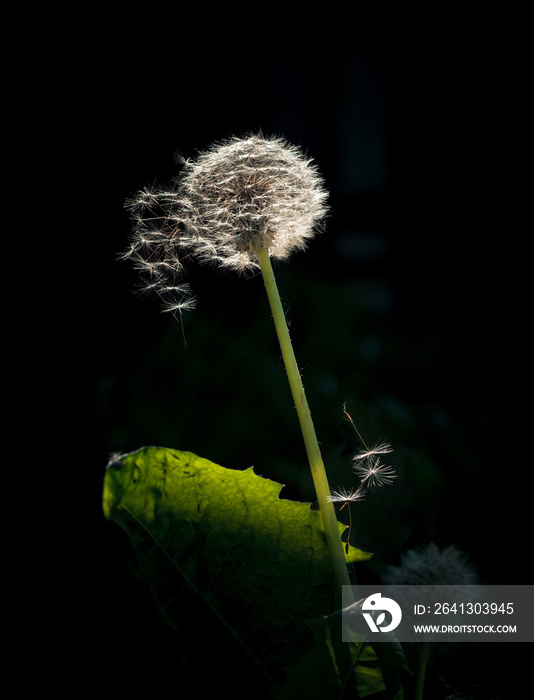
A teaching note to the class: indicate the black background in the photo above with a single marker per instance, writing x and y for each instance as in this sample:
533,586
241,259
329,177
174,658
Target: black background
412,120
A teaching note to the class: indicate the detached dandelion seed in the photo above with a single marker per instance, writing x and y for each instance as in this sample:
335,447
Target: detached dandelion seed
379,448
367,462
375,474
347,497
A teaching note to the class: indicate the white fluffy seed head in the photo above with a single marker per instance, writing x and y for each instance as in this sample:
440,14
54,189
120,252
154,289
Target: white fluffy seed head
236,196
250,192
432,566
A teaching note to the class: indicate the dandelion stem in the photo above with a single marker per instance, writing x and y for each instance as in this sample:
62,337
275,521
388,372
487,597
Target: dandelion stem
333,538
421,670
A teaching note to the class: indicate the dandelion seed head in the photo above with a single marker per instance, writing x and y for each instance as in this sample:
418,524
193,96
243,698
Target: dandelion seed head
246,192
235,196
432,566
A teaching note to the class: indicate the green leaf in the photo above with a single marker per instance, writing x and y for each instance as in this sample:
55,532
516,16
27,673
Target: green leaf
224,554
332,668
337,669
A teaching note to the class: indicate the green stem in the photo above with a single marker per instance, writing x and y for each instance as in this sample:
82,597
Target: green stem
333,538
421,670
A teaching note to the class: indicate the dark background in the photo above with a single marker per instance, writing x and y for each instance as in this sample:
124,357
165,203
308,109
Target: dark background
409,307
